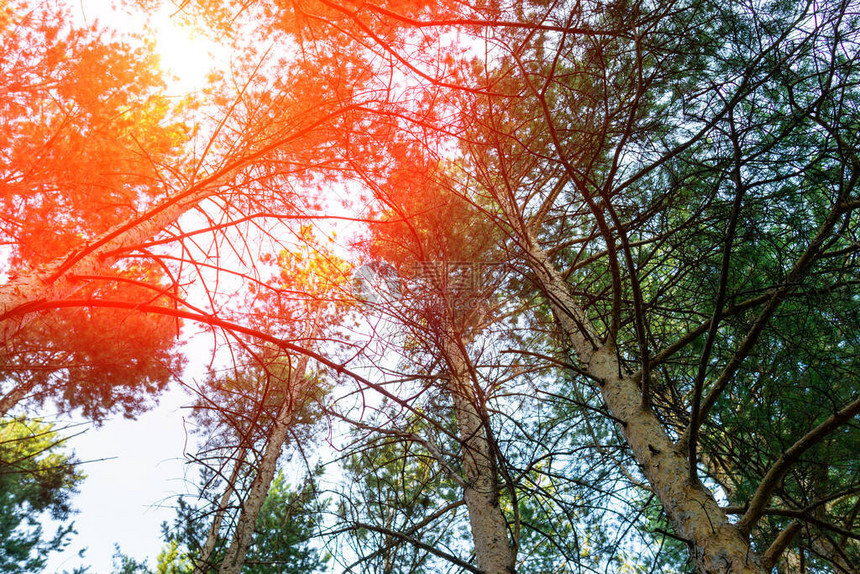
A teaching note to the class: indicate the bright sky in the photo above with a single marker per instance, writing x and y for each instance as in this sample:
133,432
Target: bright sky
125,499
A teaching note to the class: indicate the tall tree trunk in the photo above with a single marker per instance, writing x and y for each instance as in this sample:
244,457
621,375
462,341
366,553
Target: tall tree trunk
235,555
493,549
716,545
204,561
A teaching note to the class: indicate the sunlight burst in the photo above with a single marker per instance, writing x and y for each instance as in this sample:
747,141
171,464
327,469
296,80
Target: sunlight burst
187,55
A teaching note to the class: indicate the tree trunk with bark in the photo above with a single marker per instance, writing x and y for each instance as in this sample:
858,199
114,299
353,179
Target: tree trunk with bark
234,558
716,545
204,561
493,549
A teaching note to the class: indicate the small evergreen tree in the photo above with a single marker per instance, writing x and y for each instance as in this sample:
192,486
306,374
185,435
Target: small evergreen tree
37,479
281,541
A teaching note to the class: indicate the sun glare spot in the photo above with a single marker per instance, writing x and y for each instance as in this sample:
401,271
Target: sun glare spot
187,55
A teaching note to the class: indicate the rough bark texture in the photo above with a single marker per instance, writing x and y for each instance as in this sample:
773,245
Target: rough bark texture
234,558
716,545
493,549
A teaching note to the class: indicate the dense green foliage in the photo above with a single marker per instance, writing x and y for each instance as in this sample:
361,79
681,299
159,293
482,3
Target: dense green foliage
37,481
286,524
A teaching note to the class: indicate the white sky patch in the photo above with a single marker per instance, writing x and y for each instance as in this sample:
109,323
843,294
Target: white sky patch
187,55
134,472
